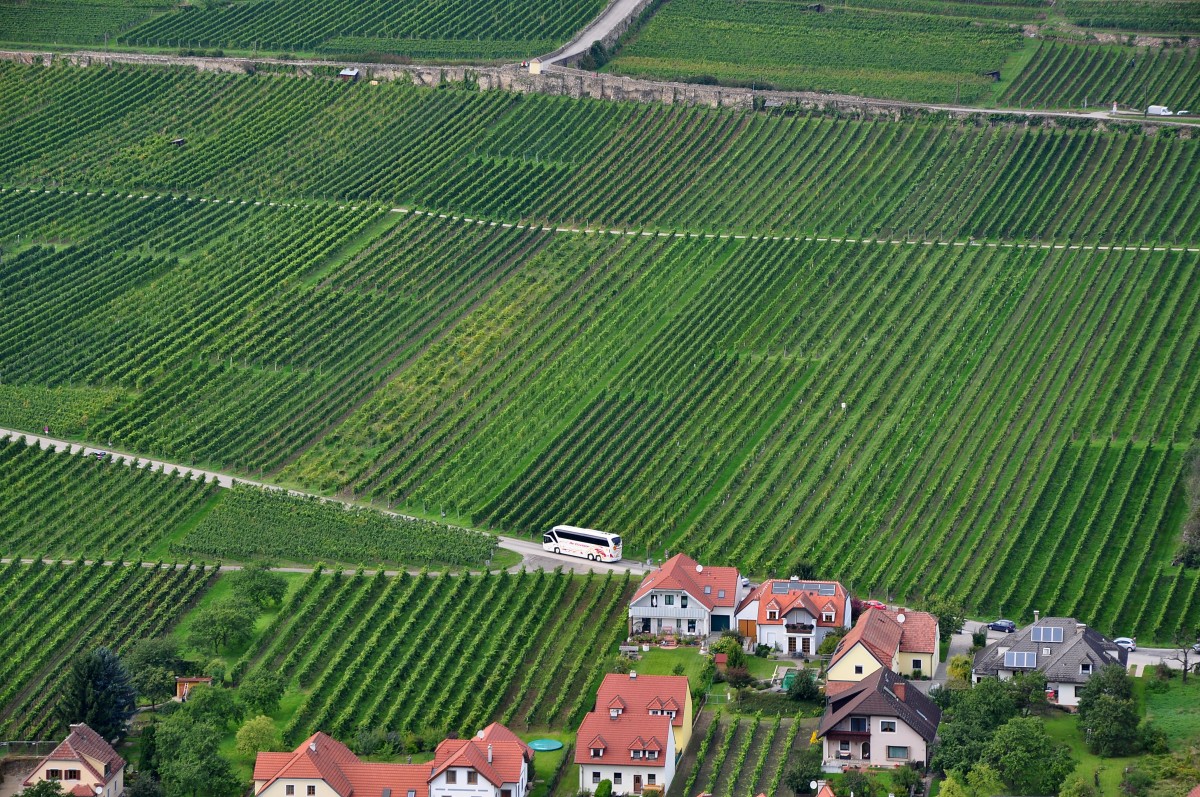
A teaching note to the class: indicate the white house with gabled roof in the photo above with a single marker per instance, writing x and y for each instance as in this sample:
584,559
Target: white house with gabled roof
686,598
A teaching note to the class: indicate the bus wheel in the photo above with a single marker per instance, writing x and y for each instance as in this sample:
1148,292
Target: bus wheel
592,557
557,551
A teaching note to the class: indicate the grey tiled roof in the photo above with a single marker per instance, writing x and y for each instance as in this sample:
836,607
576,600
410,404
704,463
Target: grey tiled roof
1081,644
878,695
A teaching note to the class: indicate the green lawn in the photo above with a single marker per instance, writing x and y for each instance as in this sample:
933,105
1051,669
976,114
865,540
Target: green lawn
220,590
1064,728
1176,711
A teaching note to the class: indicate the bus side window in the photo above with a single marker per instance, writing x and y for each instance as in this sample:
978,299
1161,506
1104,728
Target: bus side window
548,539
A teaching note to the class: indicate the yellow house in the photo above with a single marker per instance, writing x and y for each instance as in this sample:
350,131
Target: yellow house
906,643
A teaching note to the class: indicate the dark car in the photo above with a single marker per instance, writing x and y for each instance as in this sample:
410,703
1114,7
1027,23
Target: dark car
1007,626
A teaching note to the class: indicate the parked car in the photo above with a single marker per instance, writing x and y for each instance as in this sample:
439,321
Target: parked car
1196,648
874,604
1128,643
1006,626
745,581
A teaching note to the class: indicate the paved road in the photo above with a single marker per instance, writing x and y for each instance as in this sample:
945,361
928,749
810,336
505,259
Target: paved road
531,552
612,16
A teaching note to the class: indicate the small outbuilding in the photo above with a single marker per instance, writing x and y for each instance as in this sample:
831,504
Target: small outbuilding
183,685
350,74
535,66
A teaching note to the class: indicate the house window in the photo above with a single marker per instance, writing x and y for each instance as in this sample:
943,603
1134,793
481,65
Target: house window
597,752
916,665
897,753
826,617
691,625
650,779
887,726
614,712
683,601
53,774
669,600
858,669
413,792
671,714
1085,668
472,777
616,777
503,793
707,590
844,746
451,776
720,593
311,791
772,614
858,724
635,753
652,754
595,776
653,600
289,789
71,774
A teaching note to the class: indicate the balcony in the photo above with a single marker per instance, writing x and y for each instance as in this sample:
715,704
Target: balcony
846,733
798,628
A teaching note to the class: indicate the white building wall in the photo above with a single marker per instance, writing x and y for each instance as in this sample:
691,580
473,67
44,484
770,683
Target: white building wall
279,788
440,787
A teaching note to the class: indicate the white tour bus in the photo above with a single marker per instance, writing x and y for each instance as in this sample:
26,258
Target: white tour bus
574,541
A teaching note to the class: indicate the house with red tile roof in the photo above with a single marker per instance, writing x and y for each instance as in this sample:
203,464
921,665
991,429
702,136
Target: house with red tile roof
83,764
652,696
905,642
793,615
686,598
493,763
631,750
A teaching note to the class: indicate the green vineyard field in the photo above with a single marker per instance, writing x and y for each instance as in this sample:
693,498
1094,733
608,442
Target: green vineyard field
887,350
1069,75
739,756
458,30
527,649
878,52
54,612
59,504
502,155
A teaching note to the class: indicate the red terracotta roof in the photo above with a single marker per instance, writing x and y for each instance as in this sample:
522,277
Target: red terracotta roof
825,791
627,732
878,632
809,599
1195,792
320,756
834,687
645,692
920,631
509,755
683,573
81,744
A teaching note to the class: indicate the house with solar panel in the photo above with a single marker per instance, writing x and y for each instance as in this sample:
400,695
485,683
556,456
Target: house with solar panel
792,615
1065,650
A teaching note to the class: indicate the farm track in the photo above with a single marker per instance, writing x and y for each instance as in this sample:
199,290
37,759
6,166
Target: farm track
532,553
646,87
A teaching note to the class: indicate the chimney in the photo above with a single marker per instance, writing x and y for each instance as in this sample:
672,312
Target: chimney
901,689
489,754
1037,615
632,674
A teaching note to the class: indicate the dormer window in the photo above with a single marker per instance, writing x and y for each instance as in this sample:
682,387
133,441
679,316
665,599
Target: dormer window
597,752
683,601
635,753
772,614
614,712
671,714
1085,668
826,617
654,712
652,754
